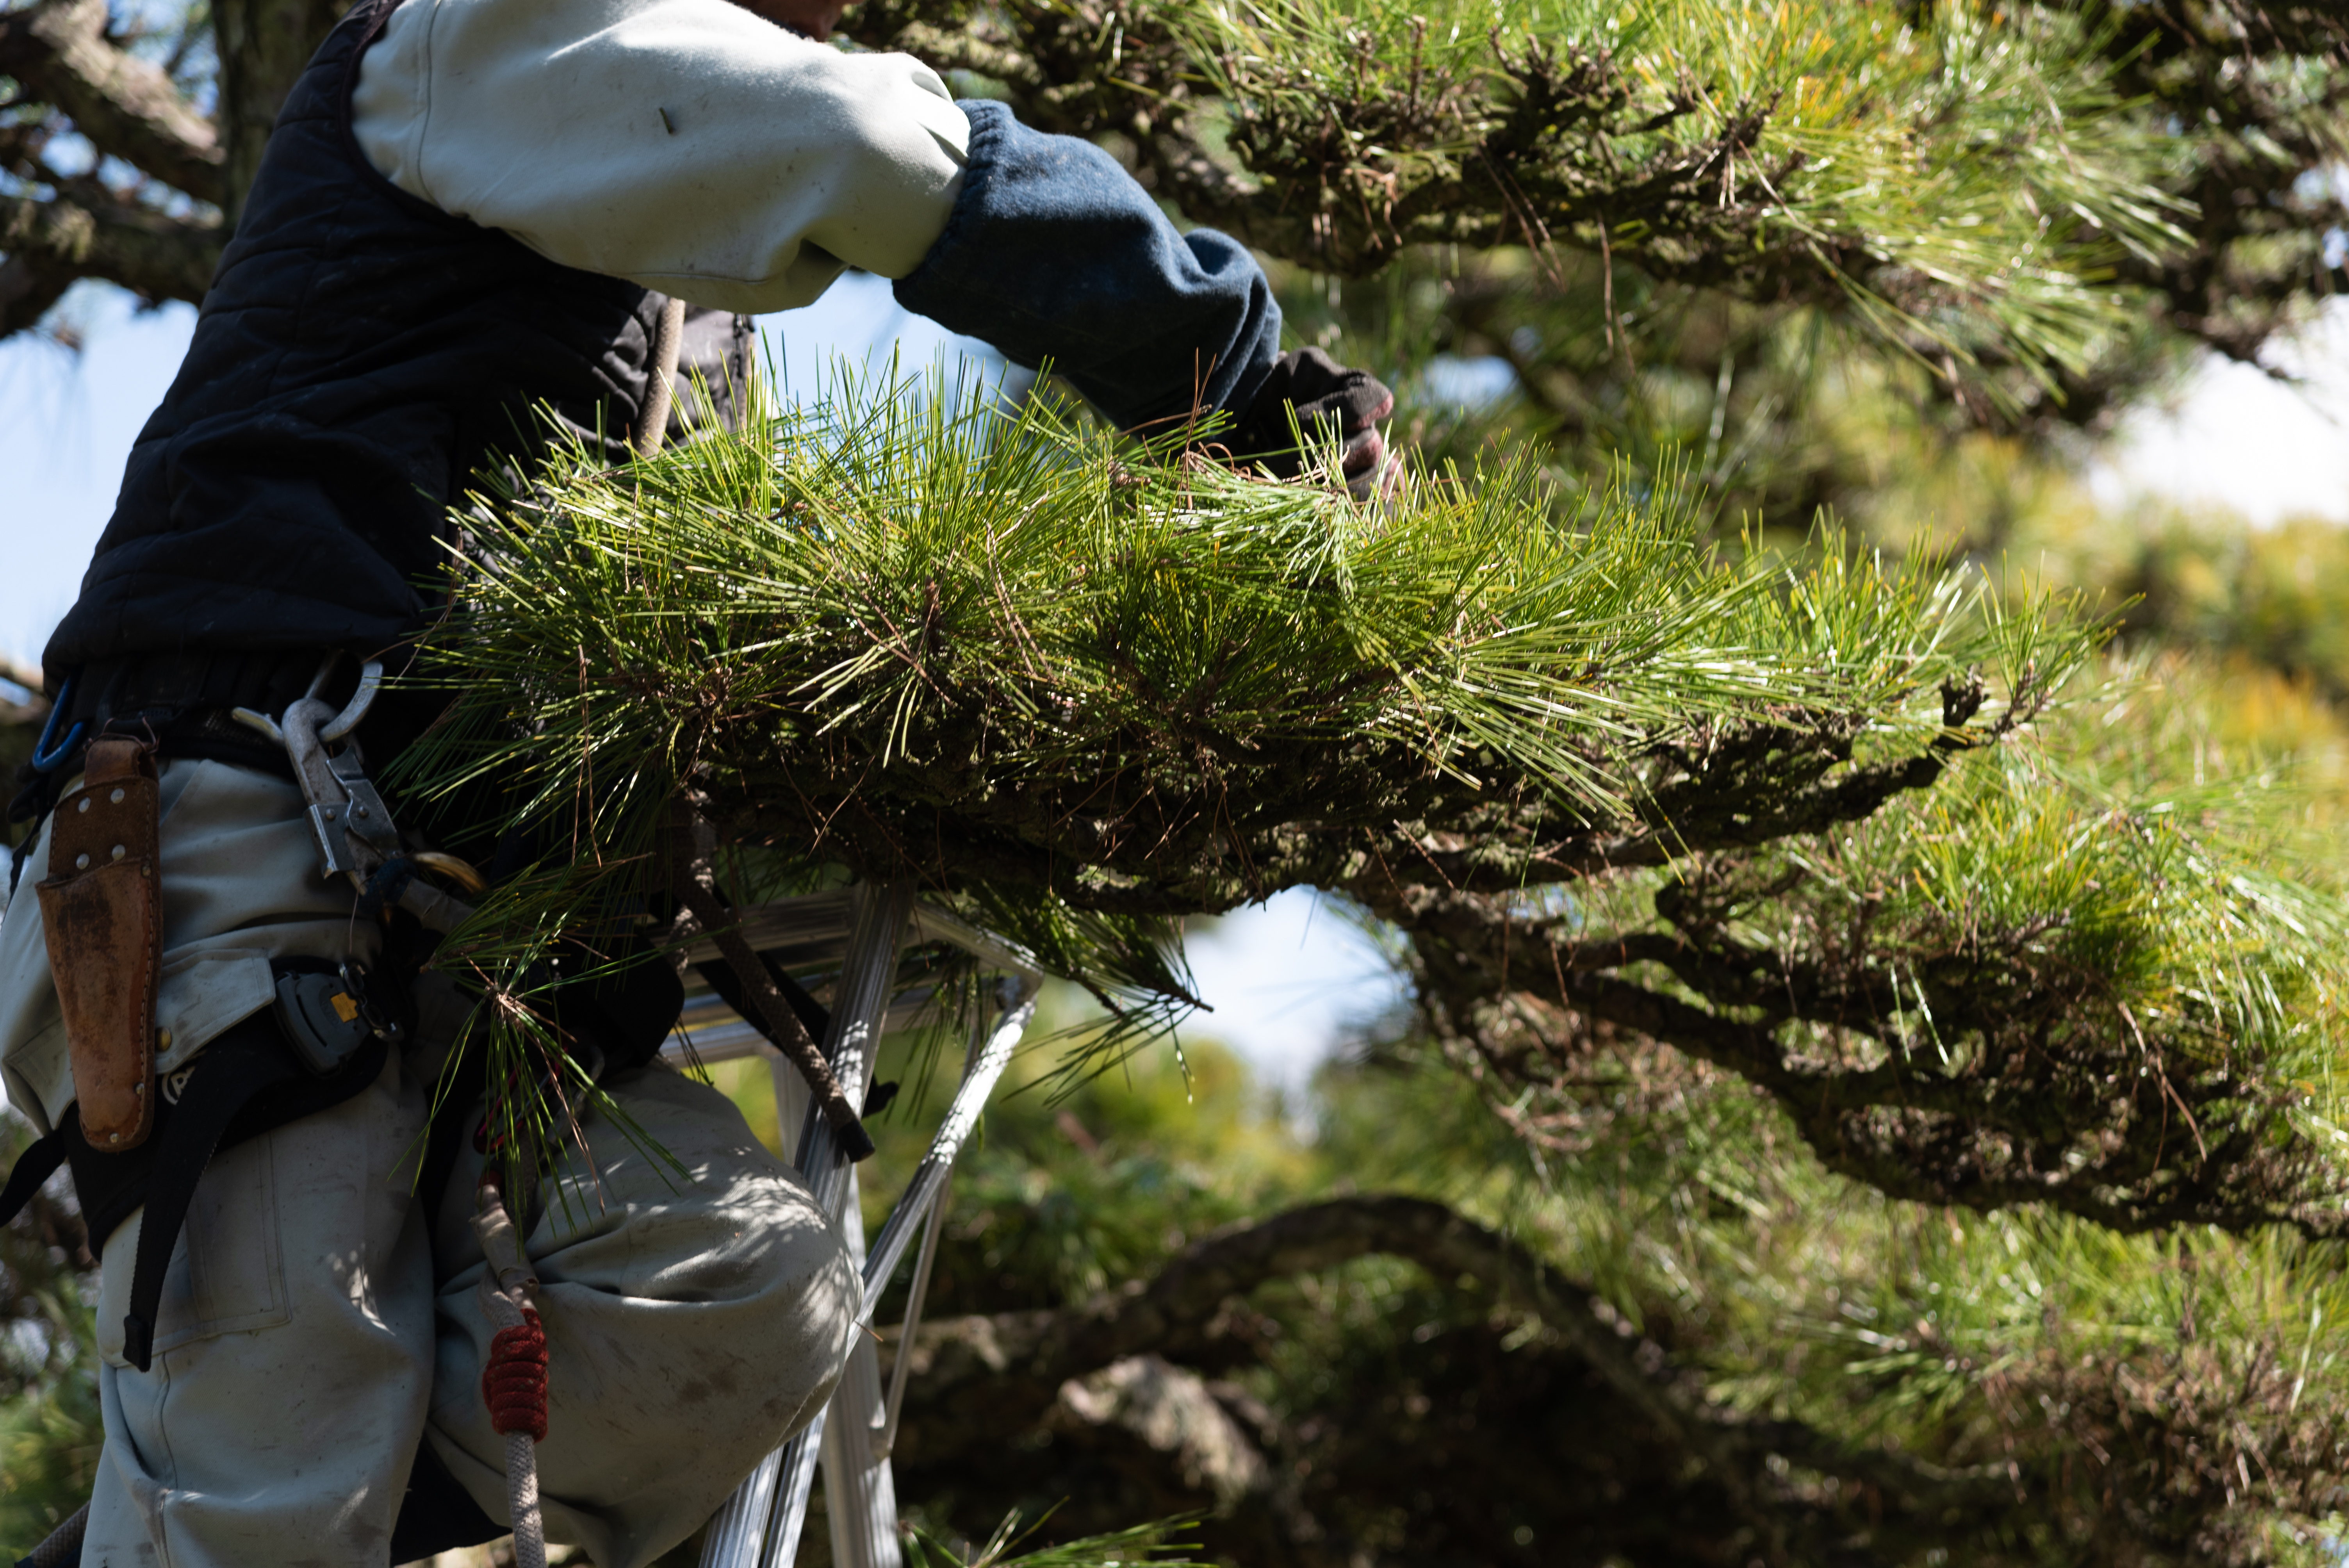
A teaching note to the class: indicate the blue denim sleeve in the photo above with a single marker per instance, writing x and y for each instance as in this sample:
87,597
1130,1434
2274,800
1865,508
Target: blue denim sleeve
1053,252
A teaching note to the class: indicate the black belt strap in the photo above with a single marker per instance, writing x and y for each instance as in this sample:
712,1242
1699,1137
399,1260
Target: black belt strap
63,1548
245,1083
244,1066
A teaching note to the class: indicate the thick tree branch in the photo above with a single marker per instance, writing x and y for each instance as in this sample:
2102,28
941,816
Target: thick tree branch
1968,1067
1648,1466
60,52
263,46
1209,849
979,1381
86,231
13,713
1176,1314
951,49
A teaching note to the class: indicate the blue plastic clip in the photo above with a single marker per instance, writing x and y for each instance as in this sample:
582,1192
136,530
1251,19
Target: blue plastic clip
45,759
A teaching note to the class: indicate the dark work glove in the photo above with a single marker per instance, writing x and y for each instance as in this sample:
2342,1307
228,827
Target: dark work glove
1332,404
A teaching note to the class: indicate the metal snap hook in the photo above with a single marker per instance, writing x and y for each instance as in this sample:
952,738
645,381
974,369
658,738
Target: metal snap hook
343,723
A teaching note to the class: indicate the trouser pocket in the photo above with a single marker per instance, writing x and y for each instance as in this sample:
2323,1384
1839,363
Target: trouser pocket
227,1273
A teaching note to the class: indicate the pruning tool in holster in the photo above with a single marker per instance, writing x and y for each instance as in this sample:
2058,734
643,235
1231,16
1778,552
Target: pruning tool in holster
101,917
101,913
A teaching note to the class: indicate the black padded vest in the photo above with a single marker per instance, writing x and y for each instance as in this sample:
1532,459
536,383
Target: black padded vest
359,358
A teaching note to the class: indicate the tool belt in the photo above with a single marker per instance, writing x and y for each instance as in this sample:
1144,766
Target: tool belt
179,702
290,1061
132,1140
184,702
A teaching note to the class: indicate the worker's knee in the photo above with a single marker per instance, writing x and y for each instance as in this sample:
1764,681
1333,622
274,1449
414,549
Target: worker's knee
712,1216
697,1307
672,1201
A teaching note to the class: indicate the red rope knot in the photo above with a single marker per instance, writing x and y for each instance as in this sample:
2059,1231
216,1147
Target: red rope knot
513,1384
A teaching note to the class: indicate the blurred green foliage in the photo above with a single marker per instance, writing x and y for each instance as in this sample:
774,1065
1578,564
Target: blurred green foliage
49,1436
1417,1422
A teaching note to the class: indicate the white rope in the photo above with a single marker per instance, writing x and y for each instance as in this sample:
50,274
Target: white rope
522,1500
506,1289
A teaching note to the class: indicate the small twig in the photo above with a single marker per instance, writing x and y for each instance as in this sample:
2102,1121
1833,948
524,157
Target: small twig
696,888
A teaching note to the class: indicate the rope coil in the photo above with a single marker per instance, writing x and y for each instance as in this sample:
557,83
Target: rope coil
513,1384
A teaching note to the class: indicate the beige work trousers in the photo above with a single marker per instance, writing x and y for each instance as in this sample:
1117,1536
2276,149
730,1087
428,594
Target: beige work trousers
316,1324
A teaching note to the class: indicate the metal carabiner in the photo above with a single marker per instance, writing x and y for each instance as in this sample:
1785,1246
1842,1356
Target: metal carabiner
343,723
47,760
334,728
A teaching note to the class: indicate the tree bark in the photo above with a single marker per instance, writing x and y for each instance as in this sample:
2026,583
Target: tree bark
264,45
87,230
59,51
68,56
985,1385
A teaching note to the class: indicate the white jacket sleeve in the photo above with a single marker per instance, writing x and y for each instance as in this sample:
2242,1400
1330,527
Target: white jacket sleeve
685,145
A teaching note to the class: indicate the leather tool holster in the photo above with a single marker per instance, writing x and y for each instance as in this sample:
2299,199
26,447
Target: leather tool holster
101,912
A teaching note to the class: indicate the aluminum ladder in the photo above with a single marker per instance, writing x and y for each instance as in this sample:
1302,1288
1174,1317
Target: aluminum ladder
863,930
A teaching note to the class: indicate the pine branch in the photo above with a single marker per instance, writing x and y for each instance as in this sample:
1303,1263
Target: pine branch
29,713
1992,1415
1150,700
1471,677
2261,93
2130,1040
1743,158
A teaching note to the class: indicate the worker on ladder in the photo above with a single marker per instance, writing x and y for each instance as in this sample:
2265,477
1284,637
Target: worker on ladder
471,211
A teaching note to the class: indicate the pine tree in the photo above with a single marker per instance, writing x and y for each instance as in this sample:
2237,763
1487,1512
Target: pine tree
1901,1042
